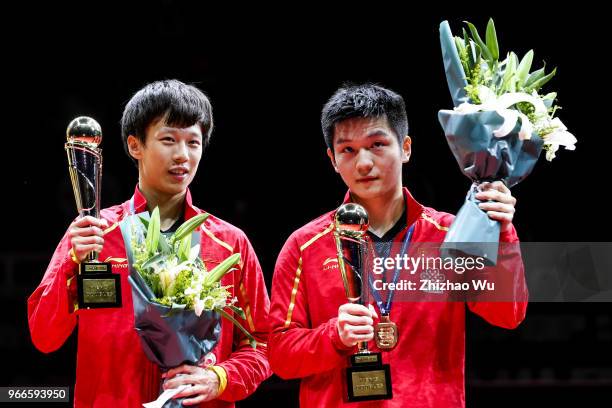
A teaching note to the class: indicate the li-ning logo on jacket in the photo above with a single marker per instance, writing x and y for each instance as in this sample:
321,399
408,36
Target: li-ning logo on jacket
330,263
118,262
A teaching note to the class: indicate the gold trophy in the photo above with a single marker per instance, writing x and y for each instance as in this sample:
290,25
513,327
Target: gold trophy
96,284
367,378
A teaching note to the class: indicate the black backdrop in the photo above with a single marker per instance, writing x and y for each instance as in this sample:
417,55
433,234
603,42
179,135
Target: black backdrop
268,72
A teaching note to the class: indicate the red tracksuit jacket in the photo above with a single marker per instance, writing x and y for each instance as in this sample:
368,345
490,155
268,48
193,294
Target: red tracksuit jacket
427,366
112,370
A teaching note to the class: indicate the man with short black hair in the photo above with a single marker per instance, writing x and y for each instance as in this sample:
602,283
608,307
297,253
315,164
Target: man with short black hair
314,328
165,128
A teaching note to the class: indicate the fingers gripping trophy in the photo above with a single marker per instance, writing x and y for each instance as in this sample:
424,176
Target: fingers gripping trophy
96,284
367,378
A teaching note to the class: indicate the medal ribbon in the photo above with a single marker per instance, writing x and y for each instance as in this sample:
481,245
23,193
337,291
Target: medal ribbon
385,309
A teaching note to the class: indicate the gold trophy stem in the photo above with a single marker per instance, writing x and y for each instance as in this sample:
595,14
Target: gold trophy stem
341,264
362,346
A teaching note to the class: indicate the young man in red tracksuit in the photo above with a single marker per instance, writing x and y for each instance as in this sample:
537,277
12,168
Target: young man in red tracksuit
165,128
314,329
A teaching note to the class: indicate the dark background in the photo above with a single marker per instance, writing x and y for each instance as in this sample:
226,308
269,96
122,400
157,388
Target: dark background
268,71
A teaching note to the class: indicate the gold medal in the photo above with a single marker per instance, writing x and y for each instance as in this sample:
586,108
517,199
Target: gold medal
386,334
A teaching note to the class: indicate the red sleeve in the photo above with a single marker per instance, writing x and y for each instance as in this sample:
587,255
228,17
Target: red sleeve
295,349
510,263
50,306
246,367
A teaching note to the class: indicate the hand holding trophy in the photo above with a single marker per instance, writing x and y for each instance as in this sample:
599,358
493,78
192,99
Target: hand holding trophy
97,286
367,377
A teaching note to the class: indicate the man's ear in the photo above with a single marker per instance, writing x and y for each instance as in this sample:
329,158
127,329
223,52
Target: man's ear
332,159
134,147
406,149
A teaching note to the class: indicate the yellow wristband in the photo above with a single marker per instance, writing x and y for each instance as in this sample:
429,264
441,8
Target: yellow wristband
222,378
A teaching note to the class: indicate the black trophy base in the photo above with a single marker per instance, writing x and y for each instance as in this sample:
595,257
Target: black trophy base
368,379
97,286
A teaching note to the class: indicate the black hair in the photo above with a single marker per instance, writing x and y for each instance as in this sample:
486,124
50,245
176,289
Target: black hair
178,104
364,101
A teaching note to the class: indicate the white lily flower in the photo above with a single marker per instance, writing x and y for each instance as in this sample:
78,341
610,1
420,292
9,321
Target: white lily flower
220,303
486,95
550,152
175,270
526,127
557,124
558,138
198,307
510,117
467,107
502,104
194,252
165,280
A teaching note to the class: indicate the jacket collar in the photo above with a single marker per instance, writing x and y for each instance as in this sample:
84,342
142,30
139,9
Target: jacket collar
413,208
140,203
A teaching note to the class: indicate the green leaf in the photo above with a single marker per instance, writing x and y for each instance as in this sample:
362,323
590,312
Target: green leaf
473,54
163,245
153,232
184,248
483,47
534,76
491,37
508,74
252,340
515,61
541,82
238,311
524,67
151,261
144,222
459,45
513,79
549,99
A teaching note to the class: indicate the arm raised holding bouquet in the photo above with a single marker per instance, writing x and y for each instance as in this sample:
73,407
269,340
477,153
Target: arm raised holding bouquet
496,132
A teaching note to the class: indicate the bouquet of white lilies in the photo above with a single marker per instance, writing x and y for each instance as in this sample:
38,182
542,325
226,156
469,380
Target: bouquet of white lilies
174,271
177,302
497,130
508,88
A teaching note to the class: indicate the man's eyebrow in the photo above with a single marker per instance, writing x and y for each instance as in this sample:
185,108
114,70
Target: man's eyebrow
373,133
176,130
